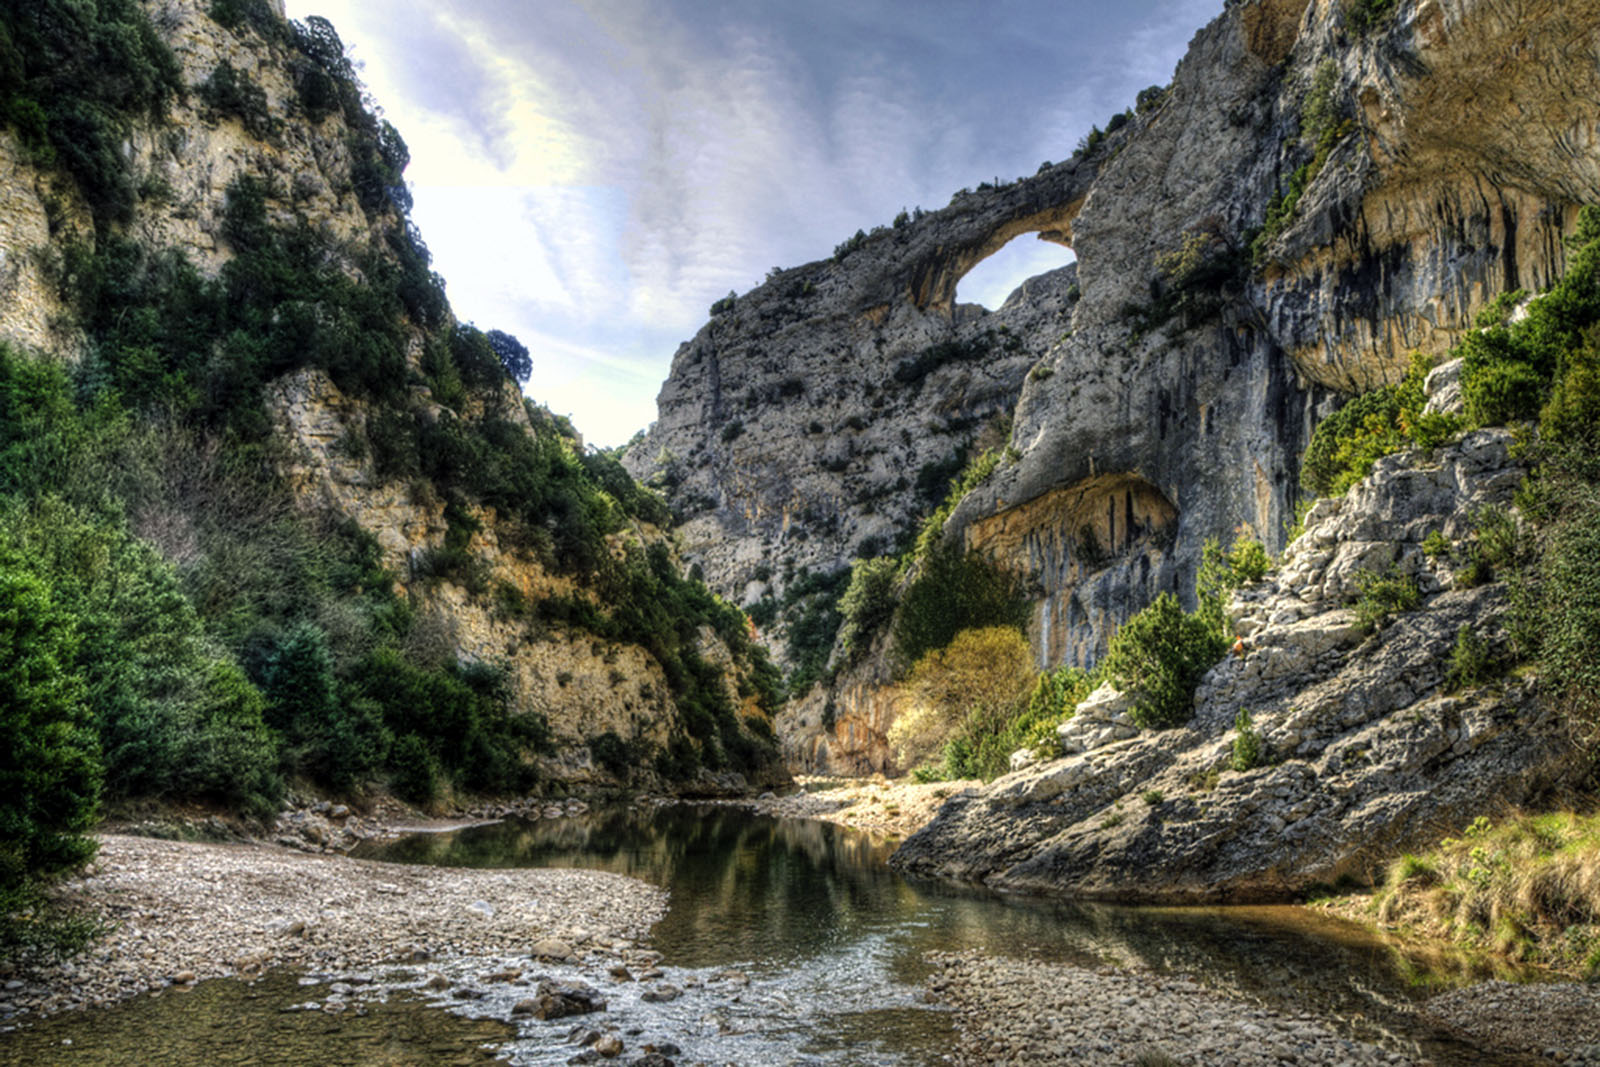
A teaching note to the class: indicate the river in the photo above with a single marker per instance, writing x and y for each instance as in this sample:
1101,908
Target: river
827,945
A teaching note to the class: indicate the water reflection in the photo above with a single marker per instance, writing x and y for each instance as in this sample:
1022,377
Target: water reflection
818,904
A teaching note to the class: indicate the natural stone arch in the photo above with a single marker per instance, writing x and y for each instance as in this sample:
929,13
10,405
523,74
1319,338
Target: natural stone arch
932,282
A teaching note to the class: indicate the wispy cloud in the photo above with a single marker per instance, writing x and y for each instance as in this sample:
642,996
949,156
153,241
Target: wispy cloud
592,174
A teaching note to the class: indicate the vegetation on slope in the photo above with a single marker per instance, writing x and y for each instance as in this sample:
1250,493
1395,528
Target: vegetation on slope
1527,886
178,627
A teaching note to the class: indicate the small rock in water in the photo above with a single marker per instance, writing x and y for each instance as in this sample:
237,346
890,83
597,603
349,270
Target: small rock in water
551,949
557,1000
183,978
609,1046
621,973
438,981
661,994
510,974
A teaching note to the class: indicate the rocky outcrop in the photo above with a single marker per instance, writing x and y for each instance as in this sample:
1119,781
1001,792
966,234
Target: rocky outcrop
1306,205
1365,750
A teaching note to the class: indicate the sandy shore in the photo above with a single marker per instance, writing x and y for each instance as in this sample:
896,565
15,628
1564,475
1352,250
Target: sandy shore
181,912
897,807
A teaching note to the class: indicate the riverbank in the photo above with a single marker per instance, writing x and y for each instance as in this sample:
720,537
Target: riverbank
897,807
1036,1013
181,912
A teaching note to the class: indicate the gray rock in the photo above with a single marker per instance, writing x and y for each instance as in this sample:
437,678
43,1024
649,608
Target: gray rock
1365,753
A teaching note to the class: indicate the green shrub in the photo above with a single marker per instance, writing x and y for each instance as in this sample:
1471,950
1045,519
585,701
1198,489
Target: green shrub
868,602
233,93
1159,656
614,754
1246,743
954,591
1245,563
416,772
1364,16
1382,595
1436,545
49,762
1469,660
73,79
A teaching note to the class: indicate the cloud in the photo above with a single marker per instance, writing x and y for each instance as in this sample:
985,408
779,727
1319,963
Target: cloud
592,174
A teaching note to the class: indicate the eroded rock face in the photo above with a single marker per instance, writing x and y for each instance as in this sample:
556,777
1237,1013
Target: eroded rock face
1364,750
1458,153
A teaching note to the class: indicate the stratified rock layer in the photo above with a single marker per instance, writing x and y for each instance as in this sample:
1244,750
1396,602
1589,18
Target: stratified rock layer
1365,751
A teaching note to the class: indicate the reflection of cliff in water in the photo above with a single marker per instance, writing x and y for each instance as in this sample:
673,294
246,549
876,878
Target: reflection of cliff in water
767,894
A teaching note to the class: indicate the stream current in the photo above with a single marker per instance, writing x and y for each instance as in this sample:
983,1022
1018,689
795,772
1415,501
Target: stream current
830,941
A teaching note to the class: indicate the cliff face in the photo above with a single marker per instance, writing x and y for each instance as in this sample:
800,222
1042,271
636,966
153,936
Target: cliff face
1366,749
581,671
1308,204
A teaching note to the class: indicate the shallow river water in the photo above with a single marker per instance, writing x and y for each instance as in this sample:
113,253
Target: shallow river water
831,941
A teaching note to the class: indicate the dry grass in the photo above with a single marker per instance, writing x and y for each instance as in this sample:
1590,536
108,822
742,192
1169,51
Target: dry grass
1527,887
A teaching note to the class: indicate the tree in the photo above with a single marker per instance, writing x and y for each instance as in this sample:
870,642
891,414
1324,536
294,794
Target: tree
1159,655
49,762
974,686
512,355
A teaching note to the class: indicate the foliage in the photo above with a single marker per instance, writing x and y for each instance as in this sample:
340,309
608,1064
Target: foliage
814,619
172,713
1364,16
74,76
1322,127
1246,743
954,591
1159,656
49,763
1245,563
1382,595
1470,663
1194,282
968,692
1523,886
973,474
868,602
233,93
512,354
1347,443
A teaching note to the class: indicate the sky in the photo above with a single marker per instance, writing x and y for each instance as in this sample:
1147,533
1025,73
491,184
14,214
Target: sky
591,175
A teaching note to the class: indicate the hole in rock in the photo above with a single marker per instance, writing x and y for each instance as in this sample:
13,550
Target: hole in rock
1023,257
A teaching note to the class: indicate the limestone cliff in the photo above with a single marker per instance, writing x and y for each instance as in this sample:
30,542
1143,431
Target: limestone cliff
276,114
1310,201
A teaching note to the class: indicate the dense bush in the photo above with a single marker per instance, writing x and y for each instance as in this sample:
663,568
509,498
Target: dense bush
173,714
868,602
73,78
1159,656
1245,563
954,591
967,692
1347,443
233,93
1383,595
49,760
1246,747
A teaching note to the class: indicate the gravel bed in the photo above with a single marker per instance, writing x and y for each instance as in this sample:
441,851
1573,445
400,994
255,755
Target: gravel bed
897,807
1559,1021
1032,1013
182,912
